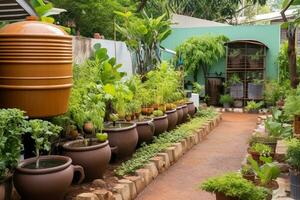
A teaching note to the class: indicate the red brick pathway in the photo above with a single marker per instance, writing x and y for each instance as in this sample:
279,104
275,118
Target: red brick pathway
222,151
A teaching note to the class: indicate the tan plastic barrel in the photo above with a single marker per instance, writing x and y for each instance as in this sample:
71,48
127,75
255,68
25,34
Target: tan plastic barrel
35,68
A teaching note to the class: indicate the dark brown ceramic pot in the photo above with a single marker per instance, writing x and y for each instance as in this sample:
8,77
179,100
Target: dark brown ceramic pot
145,130
172,119
6,188
221,196
249,177
94,158
161,124
179,114
47,183
185,111
35,66
191,108
123,136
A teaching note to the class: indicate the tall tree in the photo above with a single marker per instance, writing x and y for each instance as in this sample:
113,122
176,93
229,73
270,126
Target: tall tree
218,10
90,16
292,25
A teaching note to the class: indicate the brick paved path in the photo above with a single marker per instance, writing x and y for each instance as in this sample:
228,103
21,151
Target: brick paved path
223,150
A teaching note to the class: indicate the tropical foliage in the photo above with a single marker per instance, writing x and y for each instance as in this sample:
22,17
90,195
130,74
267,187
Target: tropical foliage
143,37
200,53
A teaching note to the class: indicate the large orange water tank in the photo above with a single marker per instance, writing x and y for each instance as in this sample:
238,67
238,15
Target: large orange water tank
35,68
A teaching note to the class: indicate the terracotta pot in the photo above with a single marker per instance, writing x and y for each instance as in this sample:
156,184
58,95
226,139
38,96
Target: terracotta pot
161,124
191,108
6,188
94,158
172,119
185,113
45,183
123,136
221,196
179,114
297,126
35,66
145,130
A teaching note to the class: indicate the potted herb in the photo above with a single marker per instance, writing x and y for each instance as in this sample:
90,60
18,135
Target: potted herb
235,57
266,140
292,109
266,173
226,100
253,107
160,121
12,126
255,89
254,59
236,88
44,177
257,150
232,186
293,158
248,173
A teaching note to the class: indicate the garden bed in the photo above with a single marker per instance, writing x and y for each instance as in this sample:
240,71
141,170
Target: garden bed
125,180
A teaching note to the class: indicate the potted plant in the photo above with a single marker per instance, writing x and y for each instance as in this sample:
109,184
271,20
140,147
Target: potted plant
160,121
253,107
293,158
257,150
232,186
93,153
255,89
145,128
248,173
292,109
12,126
226,100
172,116
235,57
266,140
236,88
44,177
254,59
266,173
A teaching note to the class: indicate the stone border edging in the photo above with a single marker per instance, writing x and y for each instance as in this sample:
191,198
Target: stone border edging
129,187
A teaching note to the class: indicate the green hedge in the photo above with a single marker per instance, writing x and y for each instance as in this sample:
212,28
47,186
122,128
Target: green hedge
165,140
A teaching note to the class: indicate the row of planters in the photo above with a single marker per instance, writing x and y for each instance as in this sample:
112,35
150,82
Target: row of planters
108,116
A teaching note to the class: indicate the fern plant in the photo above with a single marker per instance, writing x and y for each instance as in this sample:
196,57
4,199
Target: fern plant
200,53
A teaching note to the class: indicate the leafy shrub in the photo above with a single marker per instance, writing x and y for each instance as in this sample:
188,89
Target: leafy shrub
226,99
292,103
201,53
293,154
12,126
262,149
233,185
158,113
252,106
275,91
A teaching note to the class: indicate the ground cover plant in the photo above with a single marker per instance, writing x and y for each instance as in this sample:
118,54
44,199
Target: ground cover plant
234,185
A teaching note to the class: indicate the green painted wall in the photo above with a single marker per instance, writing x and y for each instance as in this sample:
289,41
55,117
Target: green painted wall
267,34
